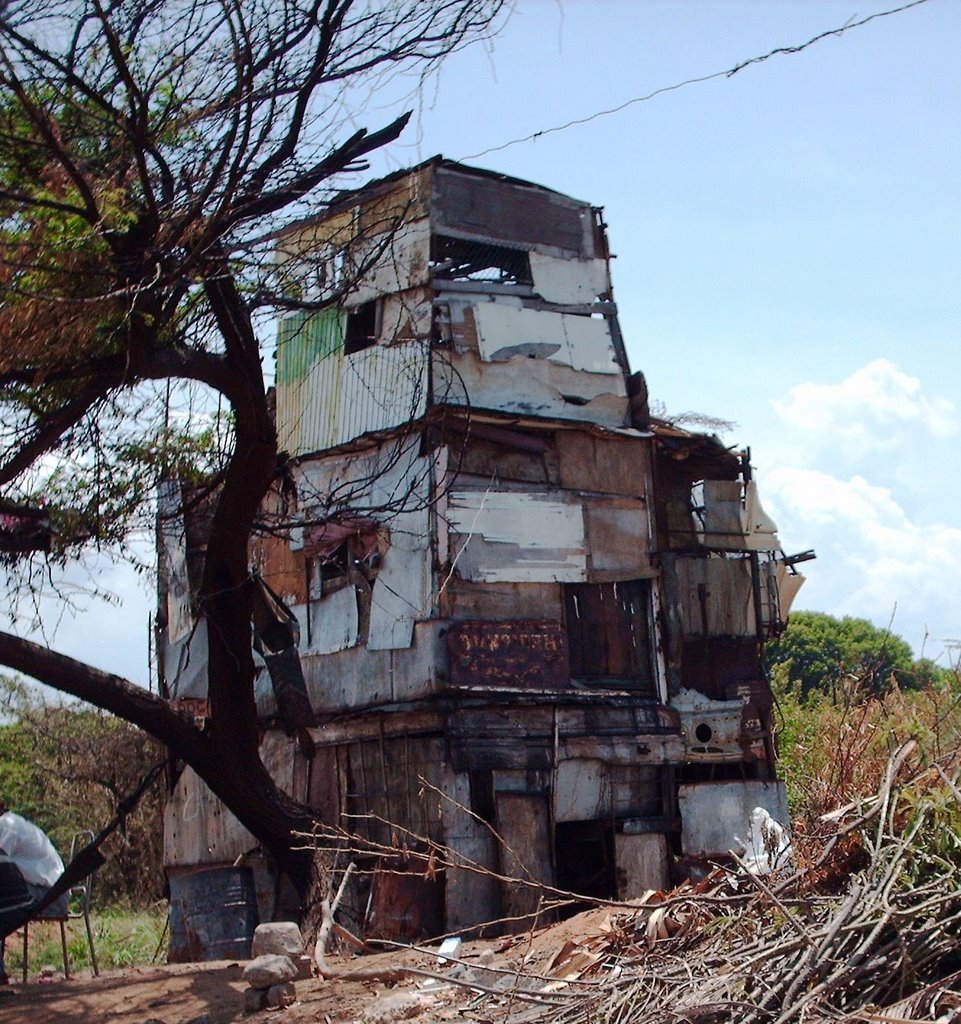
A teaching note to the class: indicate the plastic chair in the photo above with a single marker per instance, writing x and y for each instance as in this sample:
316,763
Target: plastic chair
61,912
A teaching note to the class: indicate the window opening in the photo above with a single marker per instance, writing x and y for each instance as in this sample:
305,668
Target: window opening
362,327
455,259
609,634
584,859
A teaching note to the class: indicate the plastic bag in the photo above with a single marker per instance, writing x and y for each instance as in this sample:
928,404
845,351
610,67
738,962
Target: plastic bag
768,847
30,849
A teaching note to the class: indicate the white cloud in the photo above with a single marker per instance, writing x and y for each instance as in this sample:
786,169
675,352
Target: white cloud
863,473
876,410
96,610
874,561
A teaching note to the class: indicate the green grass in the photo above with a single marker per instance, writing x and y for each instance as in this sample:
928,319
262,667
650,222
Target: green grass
121,937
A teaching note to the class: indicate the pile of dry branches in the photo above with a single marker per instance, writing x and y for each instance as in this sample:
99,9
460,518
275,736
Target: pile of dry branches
879,944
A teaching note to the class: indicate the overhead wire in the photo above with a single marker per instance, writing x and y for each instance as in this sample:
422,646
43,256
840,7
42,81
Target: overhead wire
725,73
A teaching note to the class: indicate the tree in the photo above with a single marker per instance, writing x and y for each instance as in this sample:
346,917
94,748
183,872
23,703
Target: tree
149,154
67,767
820,652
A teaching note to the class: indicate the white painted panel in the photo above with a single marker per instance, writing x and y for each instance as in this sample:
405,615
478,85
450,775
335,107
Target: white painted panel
716,816
402,592
530,520
568,281
173,539
334,622
760,527
531,387
582,790
571,569
396,479
735,520
400,595
185,665
515,536
581,342
589,343
788,585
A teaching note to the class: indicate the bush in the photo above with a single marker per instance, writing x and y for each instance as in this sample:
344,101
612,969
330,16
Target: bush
66,767
823,654
122,938
834,747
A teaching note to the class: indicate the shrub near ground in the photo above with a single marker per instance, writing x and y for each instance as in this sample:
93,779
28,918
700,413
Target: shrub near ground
122,938
835,747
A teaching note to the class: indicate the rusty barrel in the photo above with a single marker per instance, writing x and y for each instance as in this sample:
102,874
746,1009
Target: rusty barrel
213,914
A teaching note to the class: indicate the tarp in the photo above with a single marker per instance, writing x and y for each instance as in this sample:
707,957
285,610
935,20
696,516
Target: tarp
29,866
30,849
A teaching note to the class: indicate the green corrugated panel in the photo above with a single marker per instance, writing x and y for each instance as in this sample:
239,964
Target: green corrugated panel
304,339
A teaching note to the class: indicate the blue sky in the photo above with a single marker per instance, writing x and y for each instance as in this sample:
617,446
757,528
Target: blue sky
788,257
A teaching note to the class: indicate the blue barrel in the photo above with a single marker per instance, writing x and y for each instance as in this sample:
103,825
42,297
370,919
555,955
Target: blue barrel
213,914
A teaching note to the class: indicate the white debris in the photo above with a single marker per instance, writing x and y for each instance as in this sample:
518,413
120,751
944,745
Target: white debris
768,845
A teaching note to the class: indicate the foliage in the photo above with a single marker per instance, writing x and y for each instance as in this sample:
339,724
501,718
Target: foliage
822,653
834,747
122,938
66,767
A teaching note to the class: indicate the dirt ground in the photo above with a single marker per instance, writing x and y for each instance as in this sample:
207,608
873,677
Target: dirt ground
212,993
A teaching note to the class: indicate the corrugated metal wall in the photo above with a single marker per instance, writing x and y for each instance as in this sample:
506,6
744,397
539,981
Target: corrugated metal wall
326,398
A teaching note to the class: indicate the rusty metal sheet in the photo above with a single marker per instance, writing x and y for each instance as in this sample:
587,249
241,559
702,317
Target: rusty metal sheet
526,653
717,666
509,211
407,899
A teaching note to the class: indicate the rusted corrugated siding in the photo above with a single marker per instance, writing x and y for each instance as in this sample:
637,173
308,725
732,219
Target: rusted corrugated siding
471,204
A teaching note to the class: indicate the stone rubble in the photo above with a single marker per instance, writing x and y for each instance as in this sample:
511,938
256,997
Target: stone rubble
270,976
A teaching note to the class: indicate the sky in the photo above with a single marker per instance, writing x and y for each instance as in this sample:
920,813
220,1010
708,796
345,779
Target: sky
788,246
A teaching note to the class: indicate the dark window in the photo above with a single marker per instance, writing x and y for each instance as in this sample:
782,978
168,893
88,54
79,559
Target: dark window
454,259
361,330
718,665
608,628
584,856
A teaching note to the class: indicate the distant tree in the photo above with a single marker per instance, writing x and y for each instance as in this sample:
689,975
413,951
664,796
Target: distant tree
67,767
820,652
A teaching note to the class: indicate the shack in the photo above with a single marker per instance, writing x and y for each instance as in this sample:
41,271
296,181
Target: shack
530,616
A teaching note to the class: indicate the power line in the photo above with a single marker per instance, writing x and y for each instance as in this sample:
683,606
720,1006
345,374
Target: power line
726,73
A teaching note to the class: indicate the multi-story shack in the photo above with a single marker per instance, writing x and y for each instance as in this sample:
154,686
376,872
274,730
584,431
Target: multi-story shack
530,615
